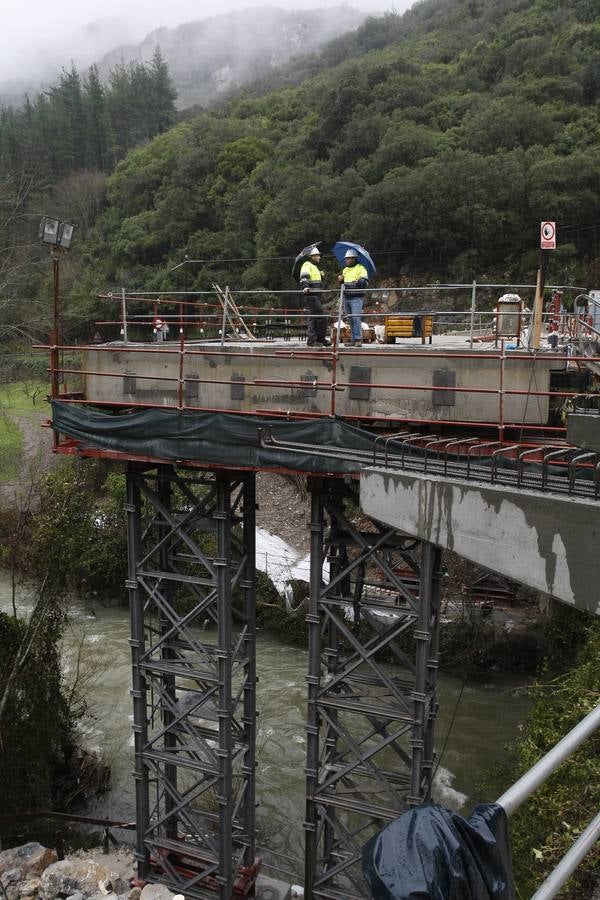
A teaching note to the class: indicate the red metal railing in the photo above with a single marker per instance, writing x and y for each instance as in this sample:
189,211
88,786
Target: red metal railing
181,317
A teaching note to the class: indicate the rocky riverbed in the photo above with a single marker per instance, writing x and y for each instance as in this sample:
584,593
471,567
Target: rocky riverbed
34,872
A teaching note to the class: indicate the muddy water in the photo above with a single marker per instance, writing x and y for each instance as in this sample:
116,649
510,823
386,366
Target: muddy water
480,719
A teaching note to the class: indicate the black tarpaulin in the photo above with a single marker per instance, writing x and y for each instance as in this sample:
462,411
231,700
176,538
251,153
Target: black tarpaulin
432,853
223,439
233,440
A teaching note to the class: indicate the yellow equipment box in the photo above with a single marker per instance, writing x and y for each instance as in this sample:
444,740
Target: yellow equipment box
408,327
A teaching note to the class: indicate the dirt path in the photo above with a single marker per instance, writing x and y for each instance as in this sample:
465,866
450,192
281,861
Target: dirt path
37,455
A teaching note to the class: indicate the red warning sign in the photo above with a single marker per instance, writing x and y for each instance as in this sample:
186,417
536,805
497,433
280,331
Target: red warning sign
548,236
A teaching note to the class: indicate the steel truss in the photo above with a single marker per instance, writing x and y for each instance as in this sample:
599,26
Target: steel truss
373,650
191,582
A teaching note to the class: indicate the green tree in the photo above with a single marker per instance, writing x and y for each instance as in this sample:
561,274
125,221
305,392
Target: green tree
36,732
97,120
162,94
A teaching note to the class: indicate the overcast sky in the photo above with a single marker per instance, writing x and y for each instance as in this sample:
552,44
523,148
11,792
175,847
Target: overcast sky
38,34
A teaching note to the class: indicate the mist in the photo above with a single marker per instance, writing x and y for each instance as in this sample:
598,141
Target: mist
38,39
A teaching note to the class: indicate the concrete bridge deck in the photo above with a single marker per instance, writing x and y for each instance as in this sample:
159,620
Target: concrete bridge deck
444,382
545,541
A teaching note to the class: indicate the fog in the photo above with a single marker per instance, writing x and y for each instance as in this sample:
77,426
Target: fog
38,38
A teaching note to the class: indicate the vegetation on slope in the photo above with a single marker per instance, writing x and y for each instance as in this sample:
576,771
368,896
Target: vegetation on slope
82,124
439,139
550,821
441,149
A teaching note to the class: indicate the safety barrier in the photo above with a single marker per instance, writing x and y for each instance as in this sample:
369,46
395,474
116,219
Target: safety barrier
537,775
371,376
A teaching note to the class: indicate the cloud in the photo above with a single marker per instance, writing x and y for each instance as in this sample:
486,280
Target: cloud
37,39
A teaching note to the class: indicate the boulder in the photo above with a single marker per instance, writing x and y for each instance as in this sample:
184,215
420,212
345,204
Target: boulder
29,888
11,881
71,876
113,884
156,892
31,859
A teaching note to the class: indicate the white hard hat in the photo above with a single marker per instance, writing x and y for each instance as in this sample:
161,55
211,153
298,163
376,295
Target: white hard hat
351,254
315,252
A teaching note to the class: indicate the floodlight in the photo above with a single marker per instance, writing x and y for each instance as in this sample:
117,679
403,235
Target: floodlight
65,233
49,229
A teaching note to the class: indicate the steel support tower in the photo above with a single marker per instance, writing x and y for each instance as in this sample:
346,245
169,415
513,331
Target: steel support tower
373,642
191,538
373,651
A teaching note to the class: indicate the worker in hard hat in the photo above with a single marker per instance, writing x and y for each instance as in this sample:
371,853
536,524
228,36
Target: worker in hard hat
355,279
311,282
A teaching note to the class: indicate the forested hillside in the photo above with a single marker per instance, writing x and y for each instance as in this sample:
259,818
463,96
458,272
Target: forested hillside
55,153
82,124
439,139
441,149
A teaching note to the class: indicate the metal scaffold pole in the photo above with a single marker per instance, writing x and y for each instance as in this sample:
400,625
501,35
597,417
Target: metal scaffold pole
373,644
191,585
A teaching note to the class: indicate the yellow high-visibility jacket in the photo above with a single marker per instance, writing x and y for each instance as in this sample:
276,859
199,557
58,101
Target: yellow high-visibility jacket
355,278
310,276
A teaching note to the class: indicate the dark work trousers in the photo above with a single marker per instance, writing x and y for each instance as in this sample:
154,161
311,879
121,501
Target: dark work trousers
317,323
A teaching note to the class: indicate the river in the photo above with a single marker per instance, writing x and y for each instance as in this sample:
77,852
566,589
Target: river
482,718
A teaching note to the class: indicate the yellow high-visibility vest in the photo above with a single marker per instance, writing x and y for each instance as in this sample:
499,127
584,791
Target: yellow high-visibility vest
310,275
352,275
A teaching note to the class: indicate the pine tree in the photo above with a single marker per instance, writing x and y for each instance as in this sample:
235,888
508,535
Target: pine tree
162,94
97,122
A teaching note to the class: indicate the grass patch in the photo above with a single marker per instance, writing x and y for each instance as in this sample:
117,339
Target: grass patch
11,448
23,397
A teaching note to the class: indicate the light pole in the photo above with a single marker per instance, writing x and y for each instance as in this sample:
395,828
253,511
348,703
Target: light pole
57,236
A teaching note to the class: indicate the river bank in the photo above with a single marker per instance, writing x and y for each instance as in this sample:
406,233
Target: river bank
475,721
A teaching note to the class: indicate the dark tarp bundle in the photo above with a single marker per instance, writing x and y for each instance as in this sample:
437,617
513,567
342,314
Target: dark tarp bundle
223,439
432,853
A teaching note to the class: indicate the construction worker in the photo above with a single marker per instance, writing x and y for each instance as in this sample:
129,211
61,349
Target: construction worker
311,282
355,279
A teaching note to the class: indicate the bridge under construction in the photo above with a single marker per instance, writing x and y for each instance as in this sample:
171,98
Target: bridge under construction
451,444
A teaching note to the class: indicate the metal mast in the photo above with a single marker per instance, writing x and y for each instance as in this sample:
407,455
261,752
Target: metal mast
191,589
373,646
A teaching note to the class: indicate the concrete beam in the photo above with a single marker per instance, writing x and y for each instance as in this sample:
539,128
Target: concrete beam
545,542
583,430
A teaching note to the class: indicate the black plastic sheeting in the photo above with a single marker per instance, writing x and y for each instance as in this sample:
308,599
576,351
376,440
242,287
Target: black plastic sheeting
432,853
223,439
227,439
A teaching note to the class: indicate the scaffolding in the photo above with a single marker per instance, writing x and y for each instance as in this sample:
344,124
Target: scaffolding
191,589
373,648
373,637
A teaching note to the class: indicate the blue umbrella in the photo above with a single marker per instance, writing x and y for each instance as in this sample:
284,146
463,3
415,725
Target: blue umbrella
339,251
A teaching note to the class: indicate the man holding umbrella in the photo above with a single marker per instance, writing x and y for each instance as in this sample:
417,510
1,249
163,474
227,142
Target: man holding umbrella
355,279
311,282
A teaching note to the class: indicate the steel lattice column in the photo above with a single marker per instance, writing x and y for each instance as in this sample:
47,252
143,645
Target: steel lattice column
191,588
373,643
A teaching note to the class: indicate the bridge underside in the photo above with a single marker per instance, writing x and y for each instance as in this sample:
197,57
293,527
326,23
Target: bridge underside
549,542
